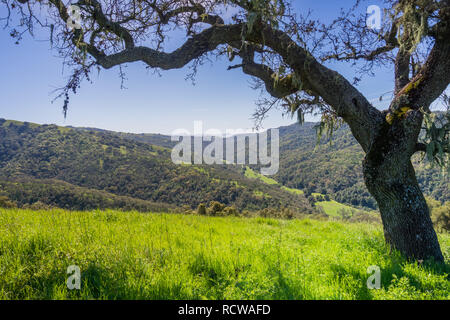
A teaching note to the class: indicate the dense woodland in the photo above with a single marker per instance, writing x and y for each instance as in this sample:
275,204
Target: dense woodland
41,194
331,166
105,161
334,167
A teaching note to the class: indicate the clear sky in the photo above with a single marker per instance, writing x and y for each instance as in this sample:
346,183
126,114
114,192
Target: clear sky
152,104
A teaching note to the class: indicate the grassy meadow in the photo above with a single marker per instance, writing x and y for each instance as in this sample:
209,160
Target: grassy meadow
172,256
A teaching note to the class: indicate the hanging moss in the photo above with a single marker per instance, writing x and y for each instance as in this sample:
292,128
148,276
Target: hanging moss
413,23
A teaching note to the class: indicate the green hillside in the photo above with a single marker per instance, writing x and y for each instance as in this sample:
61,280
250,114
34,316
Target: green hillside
104,161
138,166
170,256
335,168
48,193
332,169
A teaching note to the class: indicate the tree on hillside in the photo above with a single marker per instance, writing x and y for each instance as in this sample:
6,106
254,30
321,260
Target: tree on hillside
287,54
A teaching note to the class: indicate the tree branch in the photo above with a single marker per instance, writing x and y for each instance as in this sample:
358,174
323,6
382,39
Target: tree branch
363,119
430,82
348,103
401,69
276,88
107,24
434,76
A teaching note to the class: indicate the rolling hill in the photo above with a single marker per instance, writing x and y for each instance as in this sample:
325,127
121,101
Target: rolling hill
39,161
107,162
334,167
331,167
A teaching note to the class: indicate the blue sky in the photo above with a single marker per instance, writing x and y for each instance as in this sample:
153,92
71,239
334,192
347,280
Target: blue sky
221,99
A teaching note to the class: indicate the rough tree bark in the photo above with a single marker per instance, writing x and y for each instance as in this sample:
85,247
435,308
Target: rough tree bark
389,176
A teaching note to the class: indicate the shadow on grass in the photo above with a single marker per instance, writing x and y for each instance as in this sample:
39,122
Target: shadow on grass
97,282
397,267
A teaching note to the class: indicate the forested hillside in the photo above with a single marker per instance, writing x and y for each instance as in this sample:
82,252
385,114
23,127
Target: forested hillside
330,168
100,160
335,168
35,160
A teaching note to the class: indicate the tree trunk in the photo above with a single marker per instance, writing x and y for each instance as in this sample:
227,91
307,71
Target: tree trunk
390,177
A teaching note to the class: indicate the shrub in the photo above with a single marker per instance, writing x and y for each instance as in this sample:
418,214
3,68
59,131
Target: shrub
345,214
230,211
5,202
312,200
186,209
441,217
38,205
215,208
201,210
365,217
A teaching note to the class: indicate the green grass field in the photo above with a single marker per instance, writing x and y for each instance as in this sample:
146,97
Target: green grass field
332,207
294,191
249,173
168,256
